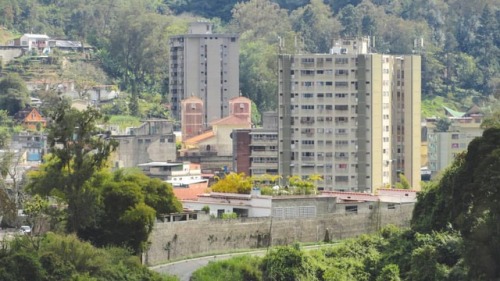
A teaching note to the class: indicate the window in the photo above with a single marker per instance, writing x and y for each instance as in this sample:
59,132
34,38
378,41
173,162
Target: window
351,209
341,61
341,178
454,136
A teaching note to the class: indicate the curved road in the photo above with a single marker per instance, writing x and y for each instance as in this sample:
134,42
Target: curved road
185,268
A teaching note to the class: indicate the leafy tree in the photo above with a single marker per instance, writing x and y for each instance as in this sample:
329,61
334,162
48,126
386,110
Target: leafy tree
13,93
316,25
300,186
350,20
5,129
403,182
286,263
78,152
258,77
260,19
129,204
465,198
85,77
390,272
10,182
54,257
137,52
233,183
442,125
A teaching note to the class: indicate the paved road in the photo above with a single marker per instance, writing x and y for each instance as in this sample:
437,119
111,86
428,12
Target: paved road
184,269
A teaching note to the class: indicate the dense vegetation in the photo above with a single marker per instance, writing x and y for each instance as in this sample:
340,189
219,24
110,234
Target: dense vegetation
106,208
454,235
74,192
458,39
55,257
391,255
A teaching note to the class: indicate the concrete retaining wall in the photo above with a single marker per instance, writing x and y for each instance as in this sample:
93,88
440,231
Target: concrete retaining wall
8,53
175,240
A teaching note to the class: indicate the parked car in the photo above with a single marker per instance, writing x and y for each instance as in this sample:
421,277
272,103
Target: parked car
25,229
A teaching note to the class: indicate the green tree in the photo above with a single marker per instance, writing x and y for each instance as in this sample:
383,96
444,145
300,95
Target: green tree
129,204
260,20
287,263
465,198
13,93
403,182
390,272
85,77
5,129
257,73
137,53
316,25
78,152
350,20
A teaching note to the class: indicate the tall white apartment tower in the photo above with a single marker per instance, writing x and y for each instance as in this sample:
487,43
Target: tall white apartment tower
204,65
350,116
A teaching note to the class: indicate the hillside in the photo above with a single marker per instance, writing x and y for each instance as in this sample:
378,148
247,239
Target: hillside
6,35
458,39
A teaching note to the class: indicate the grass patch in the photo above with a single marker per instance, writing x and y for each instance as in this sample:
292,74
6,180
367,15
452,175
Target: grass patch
433,107
6,36
124,121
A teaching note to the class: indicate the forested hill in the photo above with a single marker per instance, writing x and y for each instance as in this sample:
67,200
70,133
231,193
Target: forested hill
458,39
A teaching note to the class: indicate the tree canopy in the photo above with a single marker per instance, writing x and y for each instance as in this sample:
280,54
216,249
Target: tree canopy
466,199
105,208
13,94
458,40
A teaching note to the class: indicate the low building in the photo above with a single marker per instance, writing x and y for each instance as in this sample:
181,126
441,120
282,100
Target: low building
186,178
300,206
153,141
244,205
444,144
33,143
32,41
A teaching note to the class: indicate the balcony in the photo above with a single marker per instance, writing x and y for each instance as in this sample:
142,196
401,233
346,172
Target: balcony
264,153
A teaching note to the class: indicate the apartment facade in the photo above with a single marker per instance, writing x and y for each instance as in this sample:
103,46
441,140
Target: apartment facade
255,150
204,65
444,146
350,116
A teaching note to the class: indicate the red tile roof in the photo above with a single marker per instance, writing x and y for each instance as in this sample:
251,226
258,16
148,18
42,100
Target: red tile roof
199,138
231,120
191,192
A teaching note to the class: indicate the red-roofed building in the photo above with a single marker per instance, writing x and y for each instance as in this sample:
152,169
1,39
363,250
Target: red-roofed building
30,118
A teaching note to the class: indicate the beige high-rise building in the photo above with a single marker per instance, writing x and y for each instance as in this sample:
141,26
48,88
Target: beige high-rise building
204,65
351,116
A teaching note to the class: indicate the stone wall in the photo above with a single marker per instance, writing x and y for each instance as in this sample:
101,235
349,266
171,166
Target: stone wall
176,240
8,53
